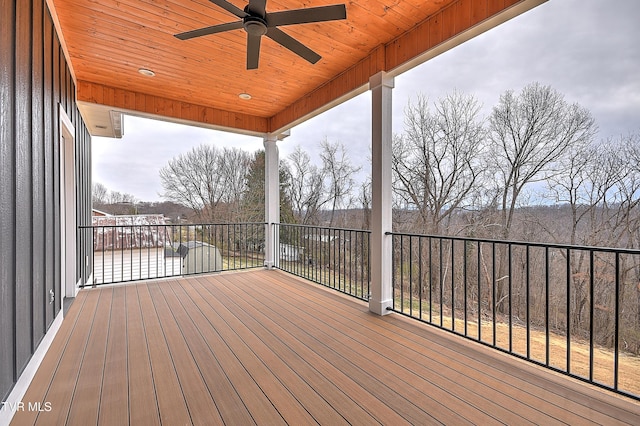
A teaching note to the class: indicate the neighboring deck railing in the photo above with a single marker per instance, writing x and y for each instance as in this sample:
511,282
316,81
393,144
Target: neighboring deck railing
334,257
124,253
573,309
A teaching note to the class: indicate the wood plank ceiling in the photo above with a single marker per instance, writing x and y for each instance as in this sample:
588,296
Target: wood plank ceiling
199,80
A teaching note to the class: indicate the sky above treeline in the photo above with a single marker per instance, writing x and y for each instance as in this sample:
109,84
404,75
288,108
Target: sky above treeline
588,50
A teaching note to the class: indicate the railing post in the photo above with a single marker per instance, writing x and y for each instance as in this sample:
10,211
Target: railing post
272,198
381,297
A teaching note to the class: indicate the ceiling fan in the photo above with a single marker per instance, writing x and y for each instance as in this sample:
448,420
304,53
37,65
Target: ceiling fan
256,21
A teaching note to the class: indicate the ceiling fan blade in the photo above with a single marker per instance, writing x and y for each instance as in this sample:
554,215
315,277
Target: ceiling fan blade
230,8
303,16
258,7
214,29
293,45
253,51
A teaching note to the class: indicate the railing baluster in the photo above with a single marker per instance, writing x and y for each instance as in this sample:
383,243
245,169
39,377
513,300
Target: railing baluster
420,283
527,297
430,280
464,285
479,254
568,321
616,333
510,281
401,284
441,273
453,286
547,309
493,297
393,272
410,275
591,313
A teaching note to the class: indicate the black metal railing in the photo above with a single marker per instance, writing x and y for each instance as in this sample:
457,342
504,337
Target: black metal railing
573,309
124,253
334,257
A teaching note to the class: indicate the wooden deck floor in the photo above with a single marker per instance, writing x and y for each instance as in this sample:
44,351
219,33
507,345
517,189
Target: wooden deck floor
264,347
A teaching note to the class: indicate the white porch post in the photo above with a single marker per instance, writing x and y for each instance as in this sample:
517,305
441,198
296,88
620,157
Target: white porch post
271,199
381,86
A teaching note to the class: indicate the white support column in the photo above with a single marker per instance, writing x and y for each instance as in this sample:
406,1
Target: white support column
381,287
272,198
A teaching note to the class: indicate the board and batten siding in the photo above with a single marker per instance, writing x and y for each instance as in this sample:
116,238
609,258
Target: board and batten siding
35,82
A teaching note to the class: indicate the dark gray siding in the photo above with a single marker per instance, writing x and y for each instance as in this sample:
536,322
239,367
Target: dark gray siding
34,81
7,194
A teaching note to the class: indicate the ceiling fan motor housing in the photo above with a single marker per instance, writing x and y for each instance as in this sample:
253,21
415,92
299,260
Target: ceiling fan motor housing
254,25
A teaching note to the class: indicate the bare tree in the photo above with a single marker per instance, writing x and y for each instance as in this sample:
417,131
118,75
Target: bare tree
528,133
306,186
207,180
364,197
99,193
113,202
633,155
339,172
437,161
234,166
116,197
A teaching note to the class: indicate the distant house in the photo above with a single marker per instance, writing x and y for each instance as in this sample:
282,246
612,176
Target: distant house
130,231
95,212
323,238
290,252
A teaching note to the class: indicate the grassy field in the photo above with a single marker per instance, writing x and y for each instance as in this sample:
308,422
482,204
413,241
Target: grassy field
603,358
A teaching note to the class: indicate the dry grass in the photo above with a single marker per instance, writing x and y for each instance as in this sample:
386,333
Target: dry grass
603,358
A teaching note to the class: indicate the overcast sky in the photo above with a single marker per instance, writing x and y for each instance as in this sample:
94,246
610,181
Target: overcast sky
588,50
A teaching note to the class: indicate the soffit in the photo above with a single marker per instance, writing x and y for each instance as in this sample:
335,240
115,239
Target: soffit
199,80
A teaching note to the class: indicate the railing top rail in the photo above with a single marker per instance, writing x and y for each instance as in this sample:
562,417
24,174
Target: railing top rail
128,225
522,243
298,225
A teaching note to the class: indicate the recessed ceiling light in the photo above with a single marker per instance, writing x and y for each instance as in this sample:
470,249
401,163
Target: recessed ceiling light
100,126
244,96
146,72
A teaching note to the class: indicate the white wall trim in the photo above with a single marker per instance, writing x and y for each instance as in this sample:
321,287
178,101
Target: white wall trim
68,225
66,121
10,406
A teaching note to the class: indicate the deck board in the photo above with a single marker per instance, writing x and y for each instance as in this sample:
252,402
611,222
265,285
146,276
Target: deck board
265,347
48,367
62,386
88,388
172,406
143,405
114,399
